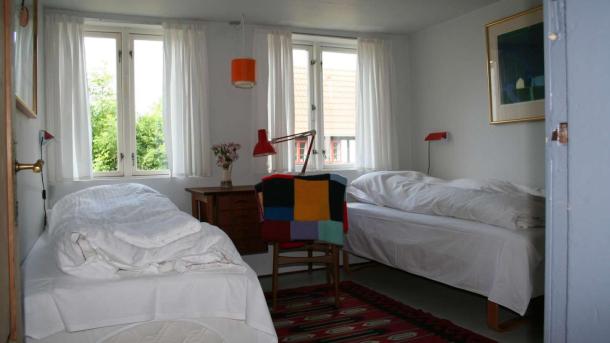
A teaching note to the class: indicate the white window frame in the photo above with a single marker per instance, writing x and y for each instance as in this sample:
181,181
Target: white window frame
316,45
126,116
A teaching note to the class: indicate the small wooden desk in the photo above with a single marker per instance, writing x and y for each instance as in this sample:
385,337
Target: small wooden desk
235,211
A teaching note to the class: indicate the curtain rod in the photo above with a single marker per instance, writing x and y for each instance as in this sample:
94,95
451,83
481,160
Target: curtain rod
324,34
137,19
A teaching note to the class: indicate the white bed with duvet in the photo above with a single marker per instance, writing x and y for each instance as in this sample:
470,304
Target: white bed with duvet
123,264
483,237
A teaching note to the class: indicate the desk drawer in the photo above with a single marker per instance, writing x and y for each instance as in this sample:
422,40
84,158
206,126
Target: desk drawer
237,201
244,216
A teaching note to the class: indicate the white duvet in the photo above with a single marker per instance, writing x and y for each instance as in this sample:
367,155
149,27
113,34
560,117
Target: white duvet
105,231
492,202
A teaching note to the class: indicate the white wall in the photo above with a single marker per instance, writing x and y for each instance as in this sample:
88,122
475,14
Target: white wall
29,187
230,111
450,93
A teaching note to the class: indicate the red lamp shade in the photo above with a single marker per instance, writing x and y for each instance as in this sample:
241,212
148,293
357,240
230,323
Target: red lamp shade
436,136
263,147
243,72
45,137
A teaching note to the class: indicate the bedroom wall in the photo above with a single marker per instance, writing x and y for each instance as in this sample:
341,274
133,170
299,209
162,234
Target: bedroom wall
230,111
450,93
29,187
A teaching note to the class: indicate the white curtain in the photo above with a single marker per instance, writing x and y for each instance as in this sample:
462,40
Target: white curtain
375,136
259,100
185,99
280,97
67,105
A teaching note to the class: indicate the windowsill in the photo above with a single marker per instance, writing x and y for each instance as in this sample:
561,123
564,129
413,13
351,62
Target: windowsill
117,178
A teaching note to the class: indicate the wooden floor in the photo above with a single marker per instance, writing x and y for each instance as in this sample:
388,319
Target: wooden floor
462,308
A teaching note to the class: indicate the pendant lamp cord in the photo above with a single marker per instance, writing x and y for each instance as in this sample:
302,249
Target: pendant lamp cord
428,172
243,34
44,189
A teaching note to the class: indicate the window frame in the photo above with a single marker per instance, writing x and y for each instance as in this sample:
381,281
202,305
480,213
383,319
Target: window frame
126,116
105,33
317,45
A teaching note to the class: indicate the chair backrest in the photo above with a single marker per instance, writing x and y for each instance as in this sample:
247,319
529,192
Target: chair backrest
297,208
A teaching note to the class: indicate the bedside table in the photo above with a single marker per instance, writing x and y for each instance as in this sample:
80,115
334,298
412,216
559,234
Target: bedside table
235,211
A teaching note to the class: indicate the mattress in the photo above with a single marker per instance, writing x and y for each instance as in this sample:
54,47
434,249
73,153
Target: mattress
506,266
226,302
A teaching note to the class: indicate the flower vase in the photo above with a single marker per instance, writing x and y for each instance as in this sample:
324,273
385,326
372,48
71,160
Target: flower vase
226,182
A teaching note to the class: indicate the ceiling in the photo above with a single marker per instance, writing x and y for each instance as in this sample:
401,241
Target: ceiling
391,16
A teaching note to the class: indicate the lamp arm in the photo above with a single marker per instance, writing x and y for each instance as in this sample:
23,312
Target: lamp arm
293,136
310,133
313,138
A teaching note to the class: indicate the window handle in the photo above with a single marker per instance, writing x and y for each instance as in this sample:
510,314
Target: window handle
133,159
122,156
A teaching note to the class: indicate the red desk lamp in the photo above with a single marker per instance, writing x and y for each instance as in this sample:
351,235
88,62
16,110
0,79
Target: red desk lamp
264,147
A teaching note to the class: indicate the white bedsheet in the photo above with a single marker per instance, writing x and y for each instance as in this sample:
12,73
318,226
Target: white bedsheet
55,302
504,265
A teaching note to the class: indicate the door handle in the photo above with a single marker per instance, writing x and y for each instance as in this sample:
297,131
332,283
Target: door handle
35,167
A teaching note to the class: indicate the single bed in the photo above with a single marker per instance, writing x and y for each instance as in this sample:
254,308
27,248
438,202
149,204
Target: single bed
218,303
504,265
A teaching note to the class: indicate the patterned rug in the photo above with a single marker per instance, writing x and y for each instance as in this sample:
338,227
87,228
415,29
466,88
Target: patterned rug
308,314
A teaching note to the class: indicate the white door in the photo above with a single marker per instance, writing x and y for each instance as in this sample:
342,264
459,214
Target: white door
578,172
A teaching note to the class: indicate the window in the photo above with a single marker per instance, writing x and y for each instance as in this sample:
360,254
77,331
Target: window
125,84
325,71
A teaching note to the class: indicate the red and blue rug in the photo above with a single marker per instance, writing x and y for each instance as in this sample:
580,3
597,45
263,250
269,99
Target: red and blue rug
308,314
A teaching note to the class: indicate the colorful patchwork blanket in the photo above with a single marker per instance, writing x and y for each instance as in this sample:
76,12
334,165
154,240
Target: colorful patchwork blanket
303,208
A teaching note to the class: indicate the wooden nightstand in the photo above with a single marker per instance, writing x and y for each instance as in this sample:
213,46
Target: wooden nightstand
235,211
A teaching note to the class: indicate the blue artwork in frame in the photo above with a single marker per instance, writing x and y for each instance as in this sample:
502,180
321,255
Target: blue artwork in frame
515,51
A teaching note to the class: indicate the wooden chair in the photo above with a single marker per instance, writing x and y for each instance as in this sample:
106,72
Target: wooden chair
306,214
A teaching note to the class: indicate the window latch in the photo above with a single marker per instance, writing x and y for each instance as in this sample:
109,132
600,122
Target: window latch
313,107
133,159
131,53
120,55
122,156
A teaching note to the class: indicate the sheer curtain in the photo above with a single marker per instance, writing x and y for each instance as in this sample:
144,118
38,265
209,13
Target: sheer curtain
185,99
280,97
375,136
67,106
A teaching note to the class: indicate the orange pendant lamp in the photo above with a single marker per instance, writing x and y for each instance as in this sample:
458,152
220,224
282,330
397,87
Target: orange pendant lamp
243,69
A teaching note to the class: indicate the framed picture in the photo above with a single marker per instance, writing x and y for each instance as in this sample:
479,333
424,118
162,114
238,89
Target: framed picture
515,67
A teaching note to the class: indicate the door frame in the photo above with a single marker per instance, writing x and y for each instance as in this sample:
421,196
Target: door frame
557,227
7,173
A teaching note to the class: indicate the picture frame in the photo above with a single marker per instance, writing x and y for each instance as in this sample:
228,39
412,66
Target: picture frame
515,67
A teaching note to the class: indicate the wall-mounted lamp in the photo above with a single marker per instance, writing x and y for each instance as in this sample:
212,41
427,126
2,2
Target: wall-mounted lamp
434,136
264,148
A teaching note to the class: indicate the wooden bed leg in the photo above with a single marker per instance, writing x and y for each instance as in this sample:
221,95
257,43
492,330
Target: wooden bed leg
493,316
493,319
346,268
